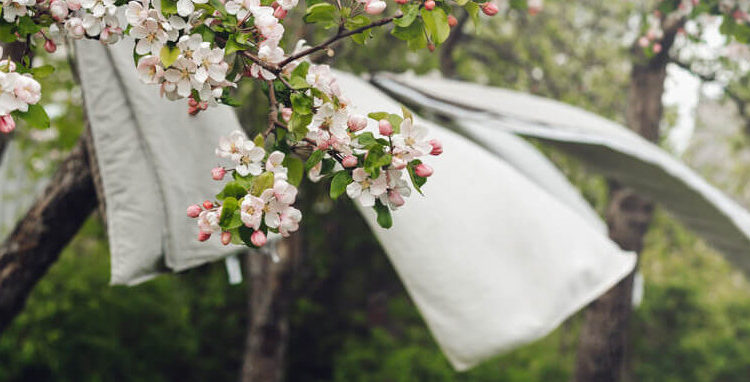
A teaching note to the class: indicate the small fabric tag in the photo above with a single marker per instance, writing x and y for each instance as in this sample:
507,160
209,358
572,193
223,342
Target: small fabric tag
234,272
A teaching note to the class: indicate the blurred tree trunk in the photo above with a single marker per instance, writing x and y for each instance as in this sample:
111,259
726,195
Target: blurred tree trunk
39,237
603,340
270,294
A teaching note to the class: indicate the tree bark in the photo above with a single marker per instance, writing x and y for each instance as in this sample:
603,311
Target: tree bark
37,240
603,340
270,295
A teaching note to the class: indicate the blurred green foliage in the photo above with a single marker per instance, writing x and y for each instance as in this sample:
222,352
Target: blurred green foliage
351,319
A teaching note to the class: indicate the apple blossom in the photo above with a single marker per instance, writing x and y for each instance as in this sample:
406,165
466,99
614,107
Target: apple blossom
376,7
489,8
437,147
365,188
7,124
194,210
217,173
349,161
385,128
226,238
356,122
423,170
258,238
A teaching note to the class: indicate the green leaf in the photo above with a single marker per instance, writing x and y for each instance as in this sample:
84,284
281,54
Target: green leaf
42,71
301,103
339,183
168,7
323,13
232,189
406,113
395,121
416,180
378,115
6,33
436,24
259,141
229,209
411,11
35,117
169,55
412,34
472,9
298,125
384,215
27,26
233,46
245,233
314,159
261,183
376,158
295,171
298,78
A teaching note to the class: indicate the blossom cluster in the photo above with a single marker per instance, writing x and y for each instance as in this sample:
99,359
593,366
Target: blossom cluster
377,165
17,92
258,200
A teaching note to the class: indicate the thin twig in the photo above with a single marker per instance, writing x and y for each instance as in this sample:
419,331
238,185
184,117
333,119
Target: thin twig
342,33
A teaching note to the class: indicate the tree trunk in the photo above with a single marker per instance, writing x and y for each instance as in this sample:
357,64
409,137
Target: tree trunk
38,239
603,341
269,299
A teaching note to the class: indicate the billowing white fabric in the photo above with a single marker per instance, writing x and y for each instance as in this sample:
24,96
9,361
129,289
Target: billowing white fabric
17,188
491,260
154,159
605,146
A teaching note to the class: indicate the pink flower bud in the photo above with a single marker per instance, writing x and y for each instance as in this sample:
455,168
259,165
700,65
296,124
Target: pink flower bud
402,2
429,5
385,127
194,210
208,205
657,48
258,238
395,198
217,173
375,7
349,161
279,13
489,8
203,236
226,237
7,124
192,102
423,170
452,22
356,122
286,114
50,46
431,47
437,147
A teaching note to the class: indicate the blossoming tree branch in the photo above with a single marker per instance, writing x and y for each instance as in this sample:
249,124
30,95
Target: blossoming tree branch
200,50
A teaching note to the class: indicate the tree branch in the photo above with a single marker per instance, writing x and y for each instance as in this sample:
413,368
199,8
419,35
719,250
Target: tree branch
342,33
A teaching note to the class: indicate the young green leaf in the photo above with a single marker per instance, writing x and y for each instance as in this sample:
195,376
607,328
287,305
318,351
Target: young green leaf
36,117
314,159
295,171
339,183
169,55
384,215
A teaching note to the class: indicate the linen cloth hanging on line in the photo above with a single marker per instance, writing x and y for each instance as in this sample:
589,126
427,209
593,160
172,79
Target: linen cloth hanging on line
491,259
